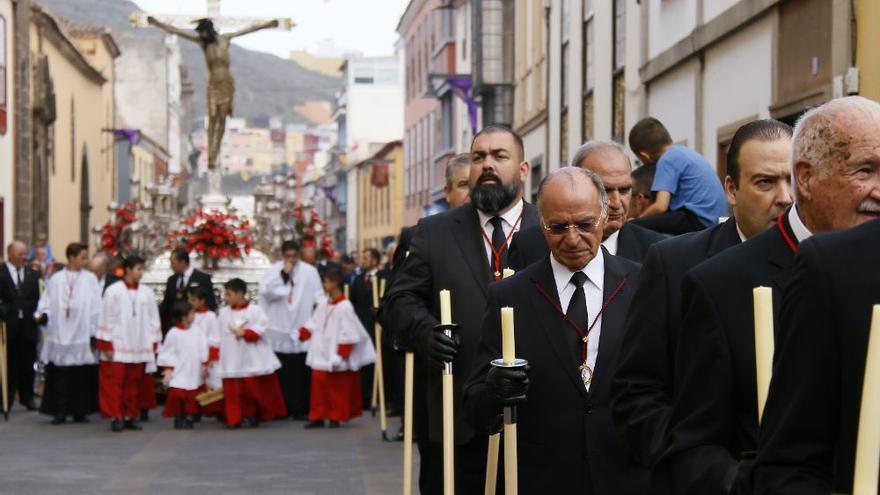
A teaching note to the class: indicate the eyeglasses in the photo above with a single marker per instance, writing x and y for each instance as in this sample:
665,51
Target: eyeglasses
561,228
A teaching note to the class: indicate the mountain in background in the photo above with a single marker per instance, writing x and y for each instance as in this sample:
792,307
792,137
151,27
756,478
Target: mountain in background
265,85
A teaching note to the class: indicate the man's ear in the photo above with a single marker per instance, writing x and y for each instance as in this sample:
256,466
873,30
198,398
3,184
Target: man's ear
803,172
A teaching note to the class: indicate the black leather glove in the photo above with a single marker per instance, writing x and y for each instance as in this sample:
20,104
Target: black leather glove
508,386
438,348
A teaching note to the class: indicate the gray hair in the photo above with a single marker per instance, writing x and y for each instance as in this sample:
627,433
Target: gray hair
592,146
457,161
820,136
571,174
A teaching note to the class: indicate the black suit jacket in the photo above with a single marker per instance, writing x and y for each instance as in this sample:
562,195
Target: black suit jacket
714,422
360,293
19,302
403,243
109,279
197,279
810,422
642,392
566,441
447,252
529,246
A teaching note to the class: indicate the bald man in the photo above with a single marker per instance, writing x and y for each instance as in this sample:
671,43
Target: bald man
19,295
567,443
99,265
620,237
713,429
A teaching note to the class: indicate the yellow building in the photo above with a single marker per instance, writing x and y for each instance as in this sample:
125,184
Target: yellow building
70,139
380,196
867,41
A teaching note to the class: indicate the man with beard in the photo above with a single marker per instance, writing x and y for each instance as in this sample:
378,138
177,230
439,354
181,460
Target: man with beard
462,250
620,238
713,428
758,190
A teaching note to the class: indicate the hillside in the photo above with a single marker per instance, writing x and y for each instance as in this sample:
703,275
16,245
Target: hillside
266,85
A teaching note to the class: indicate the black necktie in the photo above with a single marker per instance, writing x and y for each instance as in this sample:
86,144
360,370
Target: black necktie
17,278
498,239
180,282
577,312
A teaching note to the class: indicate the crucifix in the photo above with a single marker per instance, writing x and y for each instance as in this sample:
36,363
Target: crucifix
215,46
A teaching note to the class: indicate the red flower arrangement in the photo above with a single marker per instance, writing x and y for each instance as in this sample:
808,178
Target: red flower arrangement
311,231
116,235
213,235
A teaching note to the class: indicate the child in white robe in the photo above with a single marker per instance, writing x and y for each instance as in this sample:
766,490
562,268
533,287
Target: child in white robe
184,356
247,364
340,347
69,310
206,322
128,335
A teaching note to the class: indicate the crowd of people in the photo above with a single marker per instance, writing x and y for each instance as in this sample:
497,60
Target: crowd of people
632,298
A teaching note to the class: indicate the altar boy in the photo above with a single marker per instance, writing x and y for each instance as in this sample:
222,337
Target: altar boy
340,348
247,363
128,335
184,356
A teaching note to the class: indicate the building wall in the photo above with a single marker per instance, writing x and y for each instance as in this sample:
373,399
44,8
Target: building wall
77,137
380,211
670,21
530,95
868,18
671,99
7,140
141,75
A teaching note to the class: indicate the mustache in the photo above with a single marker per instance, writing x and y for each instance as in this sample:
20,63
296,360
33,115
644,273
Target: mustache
869,205
488,175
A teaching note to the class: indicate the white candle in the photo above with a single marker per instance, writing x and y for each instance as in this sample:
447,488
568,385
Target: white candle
375,281
381,287
445,308
345,289
868,440
763,301
507,272
508,347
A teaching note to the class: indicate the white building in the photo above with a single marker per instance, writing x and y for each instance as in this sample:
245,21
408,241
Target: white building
7,123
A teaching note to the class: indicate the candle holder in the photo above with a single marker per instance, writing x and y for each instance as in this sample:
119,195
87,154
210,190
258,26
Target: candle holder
449,330
509,431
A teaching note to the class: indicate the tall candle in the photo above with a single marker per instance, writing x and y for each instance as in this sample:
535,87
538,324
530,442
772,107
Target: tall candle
763,301
375,280
381,288
507,272
868,440
445,308
345,289
508,348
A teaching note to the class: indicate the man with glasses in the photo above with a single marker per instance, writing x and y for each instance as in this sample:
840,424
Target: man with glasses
569,311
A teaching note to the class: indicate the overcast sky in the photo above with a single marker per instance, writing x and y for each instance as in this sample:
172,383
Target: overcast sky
367,26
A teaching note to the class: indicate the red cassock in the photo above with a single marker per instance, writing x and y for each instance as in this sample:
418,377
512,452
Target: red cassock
119,389
253,396
180,401
147,393
335,395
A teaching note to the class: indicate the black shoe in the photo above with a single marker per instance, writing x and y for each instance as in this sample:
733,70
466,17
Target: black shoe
57,420
318,423
116,425
131,424
250,422
188,423
299,417
80,419
393,413
196,418
334,424
178,421
30,406
145,416
233,427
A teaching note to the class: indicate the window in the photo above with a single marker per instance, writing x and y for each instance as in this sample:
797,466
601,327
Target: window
564,74
3,64
589,51
446,122
619,34
363,80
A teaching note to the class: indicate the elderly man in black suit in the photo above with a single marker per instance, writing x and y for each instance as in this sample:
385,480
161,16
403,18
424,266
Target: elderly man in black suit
567,443
621,238
807,442
19,295
758,190
462,250
183,278
713,429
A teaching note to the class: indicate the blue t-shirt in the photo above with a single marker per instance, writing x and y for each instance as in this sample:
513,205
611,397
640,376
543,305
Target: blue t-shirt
689,178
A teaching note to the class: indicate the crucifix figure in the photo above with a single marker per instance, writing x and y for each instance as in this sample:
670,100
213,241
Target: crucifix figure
221,86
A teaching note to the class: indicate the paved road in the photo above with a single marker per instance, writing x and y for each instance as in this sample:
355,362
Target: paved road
278,457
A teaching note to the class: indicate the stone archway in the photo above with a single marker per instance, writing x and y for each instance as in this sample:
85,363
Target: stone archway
84,206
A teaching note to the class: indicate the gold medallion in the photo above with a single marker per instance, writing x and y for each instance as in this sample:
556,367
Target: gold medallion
586,373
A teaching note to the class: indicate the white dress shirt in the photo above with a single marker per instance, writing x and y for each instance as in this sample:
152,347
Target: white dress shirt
184,278
17,274
797,225
612,242
509,219
593,290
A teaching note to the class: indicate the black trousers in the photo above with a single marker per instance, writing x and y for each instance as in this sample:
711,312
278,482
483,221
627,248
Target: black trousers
296,382
675,222
21,354
70,390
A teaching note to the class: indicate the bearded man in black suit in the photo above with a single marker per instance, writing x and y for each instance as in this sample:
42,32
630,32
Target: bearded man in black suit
461,250
713,428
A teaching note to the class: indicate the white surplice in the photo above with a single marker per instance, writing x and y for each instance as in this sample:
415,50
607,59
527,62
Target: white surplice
130,321
332,325
72,303
207,323
289,305
184,350
238,357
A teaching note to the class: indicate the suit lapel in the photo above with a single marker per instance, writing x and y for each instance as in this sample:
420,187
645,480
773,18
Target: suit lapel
552,323
625,241
726,237
470,242
612,320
